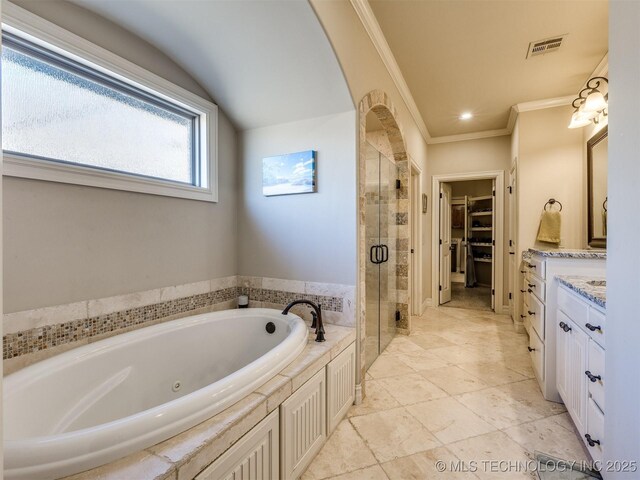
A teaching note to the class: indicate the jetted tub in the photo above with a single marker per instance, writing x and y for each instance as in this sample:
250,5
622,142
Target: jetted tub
96,403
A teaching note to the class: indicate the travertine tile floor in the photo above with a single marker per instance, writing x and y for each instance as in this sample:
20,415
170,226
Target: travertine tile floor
460,388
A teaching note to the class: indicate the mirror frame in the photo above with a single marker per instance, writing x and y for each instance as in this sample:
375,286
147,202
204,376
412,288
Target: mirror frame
594,242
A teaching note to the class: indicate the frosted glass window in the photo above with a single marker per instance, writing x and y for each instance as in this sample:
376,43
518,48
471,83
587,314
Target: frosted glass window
57,110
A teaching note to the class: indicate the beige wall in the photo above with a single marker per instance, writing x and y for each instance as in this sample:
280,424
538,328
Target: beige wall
308,237
64,243
550,165
364,71
486,154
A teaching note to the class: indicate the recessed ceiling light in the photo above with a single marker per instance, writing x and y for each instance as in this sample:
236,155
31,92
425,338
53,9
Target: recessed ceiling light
466,116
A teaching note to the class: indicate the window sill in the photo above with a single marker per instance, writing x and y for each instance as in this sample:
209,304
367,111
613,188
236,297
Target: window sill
25,167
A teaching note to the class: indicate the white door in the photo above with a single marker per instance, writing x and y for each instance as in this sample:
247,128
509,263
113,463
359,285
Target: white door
493,246
513,266
445,243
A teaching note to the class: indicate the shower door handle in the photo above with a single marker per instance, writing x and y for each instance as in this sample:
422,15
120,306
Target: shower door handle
377,257
385,253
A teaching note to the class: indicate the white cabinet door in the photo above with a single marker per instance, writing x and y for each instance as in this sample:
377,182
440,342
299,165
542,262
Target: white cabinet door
576,364
254,457
562,349
341,384
303,426
445,243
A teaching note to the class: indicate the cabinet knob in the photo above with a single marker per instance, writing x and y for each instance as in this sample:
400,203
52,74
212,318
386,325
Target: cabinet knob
523,316
523,291
530,312
592,377
531,349
531,285
591,441
529,290
523,271
592,327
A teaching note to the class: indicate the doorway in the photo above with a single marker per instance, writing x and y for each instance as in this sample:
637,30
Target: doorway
468,245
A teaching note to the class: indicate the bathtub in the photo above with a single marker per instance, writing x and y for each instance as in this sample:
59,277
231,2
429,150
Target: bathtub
102,401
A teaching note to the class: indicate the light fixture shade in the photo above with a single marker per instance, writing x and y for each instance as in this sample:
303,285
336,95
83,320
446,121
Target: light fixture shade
595,102
578,120
586,114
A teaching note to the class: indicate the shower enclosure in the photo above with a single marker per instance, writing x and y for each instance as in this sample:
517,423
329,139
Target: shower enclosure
381,243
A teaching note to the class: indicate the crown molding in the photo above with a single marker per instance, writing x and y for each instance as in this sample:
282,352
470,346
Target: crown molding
470,136
372,27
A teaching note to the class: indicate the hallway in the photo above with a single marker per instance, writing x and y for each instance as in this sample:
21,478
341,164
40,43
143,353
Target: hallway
460,388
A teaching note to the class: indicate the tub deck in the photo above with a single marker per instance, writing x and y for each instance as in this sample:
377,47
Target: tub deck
182,457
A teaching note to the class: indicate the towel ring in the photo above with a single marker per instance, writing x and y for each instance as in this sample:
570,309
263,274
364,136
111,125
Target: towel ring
550,202
605,204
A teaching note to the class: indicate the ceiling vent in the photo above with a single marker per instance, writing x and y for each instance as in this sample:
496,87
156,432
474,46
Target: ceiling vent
547,45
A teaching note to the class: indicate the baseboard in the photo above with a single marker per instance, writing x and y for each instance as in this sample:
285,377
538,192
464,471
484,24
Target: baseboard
428,302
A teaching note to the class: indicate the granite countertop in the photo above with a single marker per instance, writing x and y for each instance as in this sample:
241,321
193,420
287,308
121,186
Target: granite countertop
594,293
568,253
184,455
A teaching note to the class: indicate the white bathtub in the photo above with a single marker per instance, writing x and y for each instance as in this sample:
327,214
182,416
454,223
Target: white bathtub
102,401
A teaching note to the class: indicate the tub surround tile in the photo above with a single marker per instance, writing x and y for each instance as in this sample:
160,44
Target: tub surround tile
45,330
40,317
140,465
188,453
277,390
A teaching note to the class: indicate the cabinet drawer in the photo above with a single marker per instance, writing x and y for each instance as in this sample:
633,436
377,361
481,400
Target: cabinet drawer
575,309
595,429
536,350
535,313
536,266
535,286
596,319
595,367
303,426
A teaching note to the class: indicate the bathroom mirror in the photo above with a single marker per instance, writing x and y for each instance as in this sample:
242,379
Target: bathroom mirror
597,148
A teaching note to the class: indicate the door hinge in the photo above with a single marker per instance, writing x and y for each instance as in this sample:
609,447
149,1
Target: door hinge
510,189
493,242
511,243
412,250
493,292
440,194
440,241
398,316
398,184
440,287
493,193
510,296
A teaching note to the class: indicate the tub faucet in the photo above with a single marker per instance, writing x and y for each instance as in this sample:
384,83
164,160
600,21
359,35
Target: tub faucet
317,316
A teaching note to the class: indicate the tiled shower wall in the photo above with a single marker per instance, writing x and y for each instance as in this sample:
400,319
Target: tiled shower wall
33,335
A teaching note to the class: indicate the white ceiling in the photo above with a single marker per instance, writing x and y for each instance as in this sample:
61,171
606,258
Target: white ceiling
470,55
262,62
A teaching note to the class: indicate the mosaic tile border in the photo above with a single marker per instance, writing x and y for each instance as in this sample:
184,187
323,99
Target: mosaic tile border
67,324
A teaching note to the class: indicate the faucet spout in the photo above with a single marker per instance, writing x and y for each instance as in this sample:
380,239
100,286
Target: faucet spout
317,316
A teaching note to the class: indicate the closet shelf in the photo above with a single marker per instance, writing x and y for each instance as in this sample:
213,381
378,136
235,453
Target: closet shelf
481,244
483,197
481,229
482,260
480,214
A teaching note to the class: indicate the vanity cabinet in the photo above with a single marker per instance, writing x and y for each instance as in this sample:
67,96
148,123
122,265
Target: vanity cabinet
540,304
580,366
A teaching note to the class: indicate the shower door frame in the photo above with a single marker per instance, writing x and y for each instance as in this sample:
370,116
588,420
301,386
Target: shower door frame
498,260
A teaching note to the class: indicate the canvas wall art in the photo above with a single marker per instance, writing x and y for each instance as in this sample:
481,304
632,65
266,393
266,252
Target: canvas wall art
289,174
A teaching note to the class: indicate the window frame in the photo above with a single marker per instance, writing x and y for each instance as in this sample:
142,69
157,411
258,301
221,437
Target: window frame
45,34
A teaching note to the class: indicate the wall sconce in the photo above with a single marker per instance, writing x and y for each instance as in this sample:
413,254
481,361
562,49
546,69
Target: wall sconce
590,104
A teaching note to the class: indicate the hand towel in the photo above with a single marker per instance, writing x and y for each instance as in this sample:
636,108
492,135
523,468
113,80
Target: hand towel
549,230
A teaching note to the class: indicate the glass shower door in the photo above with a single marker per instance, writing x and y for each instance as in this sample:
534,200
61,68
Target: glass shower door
381,234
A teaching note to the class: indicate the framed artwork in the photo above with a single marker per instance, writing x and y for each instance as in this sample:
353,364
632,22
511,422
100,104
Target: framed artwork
289,174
